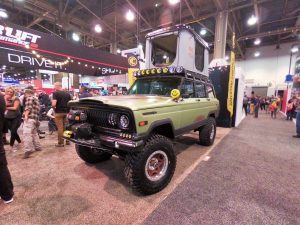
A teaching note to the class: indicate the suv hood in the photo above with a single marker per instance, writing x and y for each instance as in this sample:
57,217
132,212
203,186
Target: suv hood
133,102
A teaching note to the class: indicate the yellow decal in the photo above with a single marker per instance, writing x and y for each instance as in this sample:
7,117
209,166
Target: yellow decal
175,93
68,134
132,61
230,99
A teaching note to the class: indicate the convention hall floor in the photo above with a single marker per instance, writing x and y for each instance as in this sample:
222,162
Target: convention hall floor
250,176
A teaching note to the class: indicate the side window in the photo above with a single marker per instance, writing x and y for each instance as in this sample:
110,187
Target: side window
187,88
200,90
199,56
210,91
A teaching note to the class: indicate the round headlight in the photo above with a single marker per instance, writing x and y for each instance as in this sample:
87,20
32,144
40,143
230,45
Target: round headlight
112,119
124,122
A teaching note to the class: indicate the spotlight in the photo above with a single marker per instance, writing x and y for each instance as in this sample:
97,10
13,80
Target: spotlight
75,37
164,57
33,52
130,15
3,14
27,46
98,28
118,51
174,2
38,56
257,41
294,49
226,57
256,54
203,32
156,5
252,20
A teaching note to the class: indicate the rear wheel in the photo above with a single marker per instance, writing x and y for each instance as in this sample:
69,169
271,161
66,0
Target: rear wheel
207,133
152,169
89,156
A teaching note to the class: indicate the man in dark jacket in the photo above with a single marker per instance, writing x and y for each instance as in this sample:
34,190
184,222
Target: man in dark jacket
6,185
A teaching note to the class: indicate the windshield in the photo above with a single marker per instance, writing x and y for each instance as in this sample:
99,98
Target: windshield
164,50
155,86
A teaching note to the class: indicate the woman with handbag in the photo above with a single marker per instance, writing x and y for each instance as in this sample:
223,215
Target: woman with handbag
12,116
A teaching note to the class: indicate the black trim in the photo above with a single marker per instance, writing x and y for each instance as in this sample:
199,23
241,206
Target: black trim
149,113
144,136
190,127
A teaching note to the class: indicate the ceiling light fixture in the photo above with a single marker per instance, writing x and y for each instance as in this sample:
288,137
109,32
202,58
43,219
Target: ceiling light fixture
252,20
294,49
3,14
174,2
130,15
256,54
203,32
98,28
75,37
257,41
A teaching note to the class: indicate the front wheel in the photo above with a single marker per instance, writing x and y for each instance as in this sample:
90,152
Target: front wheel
152,169
89,156
207,133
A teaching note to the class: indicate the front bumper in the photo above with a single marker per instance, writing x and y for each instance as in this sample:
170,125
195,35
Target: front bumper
106,143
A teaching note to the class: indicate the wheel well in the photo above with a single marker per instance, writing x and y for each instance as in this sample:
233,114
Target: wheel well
165,130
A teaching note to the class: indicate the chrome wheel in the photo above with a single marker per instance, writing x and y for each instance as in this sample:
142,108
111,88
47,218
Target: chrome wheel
156,165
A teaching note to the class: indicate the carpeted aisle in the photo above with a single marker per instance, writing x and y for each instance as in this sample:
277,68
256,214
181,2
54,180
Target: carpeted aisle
252,177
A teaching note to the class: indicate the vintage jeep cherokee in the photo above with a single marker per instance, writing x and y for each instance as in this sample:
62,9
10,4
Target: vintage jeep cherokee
174,96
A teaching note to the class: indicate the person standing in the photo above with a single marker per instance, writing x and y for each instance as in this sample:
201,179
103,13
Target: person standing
6,185
31,124
256,106
297,120
84,92
13,116
60,104
245,104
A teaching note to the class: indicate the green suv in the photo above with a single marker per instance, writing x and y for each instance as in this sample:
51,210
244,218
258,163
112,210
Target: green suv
162,104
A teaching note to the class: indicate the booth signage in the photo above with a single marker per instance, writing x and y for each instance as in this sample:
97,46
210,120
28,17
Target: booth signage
31,49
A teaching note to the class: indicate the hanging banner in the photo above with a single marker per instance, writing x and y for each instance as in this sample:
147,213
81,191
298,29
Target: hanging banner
230,99
31,49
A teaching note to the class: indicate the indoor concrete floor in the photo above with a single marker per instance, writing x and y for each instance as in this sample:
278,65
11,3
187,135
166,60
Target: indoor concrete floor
54,186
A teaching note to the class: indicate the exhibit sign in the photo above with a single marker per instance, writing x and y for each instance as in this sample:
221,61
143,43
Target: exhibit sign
31,49
230,99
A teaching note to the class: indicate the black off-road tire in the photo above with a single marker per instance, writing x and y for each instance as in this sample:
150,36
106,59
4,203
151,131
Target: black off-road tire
207,133
135,165
87,155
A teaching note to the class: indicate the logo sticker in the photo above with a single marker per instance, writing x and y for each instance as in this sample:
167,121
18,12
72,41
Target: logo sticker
175,93
132,61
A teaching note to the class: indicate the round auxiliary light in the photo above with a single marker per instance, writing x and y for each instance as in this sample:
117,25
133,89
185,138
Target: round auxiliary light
147,72
172,69
124,122
143,72
165,70
158,70
179,69
153,71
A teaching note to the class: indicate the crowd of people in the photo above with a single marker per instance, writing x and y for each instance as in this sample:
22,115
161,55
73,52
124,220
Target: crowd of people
271,105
